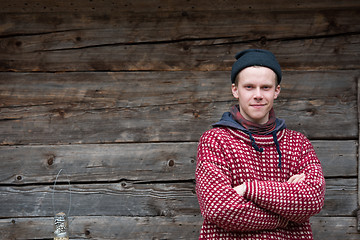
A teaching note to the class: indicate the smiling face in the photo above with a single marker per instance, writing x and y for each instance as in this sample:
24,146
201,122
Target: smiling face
256,90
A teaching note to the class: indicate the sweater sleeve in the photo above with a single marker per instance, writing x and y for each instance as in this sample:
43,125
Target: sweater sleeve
219,202
296,202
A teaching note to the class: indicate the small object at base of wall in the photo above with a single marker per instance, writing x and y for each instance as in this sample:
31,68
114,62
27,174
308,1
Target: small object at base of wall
61,227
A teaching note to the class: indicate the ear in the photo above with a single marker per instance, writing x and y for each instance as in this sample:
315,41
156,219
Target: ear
234,90
277,91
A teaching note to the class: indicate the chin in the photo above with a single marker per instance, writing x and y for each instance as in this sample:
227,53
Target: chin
259,120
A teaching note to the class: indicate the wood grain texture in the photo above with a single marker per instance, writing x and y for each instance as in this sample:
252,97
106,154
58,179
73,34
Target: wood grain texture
136,162
117,93
106,227
334,228
101,108
126,198
73,30
99,163
337,52
111,227
136,89
122,6
44,124
101,199
81,36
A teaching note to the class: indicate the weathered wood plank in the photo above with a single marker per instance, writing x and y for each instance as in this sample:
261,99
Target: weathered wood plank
106,227
101,107
139,199
334,228
135,89
338,200
102,199
310,117
200,55
128,89
122,6
327,119
180,227
337,157
72,30
136,162
104,162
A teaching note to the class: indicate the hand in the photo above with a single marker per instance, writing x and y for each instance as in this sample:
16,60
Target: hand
240,189
297,178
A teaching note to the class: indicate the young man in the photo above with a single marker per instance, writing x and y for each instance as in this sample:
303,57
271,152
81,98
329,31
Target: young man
256,179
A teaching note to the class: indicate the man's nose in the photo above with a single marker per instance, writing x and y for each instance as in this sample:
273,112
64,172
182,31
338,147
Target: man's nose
258,93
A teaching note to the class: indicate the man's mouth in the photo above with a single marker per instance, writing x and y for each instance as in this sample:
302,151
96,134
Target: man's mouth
257,105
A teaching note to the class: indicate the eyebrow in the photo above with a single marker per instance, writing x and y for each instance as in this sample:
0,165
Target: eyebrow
262,85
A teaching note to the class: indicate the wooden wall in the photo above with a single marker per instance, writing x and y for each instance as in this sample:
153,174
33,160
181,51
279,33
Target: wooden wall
117,93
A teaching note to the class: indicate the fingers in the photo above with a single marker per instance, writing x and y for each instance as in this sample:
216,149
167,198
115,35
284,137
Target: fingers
300,179
297,178
240,189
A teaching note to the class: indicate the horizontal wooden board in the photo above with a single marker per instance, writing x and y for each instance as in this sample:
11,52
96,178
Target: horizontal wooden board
333,52
324,119
138,199
340,197
334,228
101,107
102,199
337,157
29,31
122,6
136,162
134,89
106,227
180,227
104,162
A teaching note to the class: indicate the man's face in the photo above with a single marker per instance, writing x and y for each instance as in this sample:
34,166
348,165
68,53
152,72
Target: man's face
256,91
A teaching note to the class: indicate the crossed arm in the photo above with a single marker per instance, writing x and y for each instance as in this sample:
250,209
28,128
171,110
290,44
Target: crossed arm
293,179
257,205
222,206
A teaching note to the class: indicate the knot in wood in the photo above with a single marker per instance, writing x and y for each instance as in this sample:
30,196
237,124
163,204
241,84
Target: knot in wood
196,113
171,163
50,160
263,40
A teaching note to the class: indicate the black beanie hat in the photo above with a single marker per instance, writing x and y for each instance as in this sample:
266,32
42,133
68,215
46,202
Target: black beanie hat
255,57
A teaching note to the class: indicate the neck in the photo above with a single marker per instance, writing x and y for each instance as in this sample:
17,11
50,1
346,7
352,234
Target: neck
253,127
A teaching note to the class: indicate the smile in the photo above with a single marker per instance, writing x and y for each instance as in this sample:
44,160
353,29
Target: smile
257,105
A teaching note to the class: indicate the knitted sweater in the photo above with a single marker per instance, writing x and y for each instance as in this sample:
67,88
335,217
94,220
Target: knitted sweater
271,208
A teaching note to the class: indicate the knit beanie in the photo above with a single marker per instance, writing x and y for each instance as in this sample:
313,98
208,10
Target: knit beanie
255,57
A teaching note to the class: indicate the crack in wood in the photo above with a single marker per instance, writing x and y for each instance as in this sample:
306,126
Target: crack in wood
120,181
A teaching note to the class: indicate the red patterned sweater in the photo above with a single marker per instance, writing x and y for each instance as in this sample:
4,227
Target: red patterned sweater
271,208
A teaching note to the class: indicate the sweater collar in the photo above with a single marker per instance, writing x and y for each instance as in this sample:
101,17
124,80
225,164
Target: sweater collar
272,137
261,140
252,127
227,120
257,141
